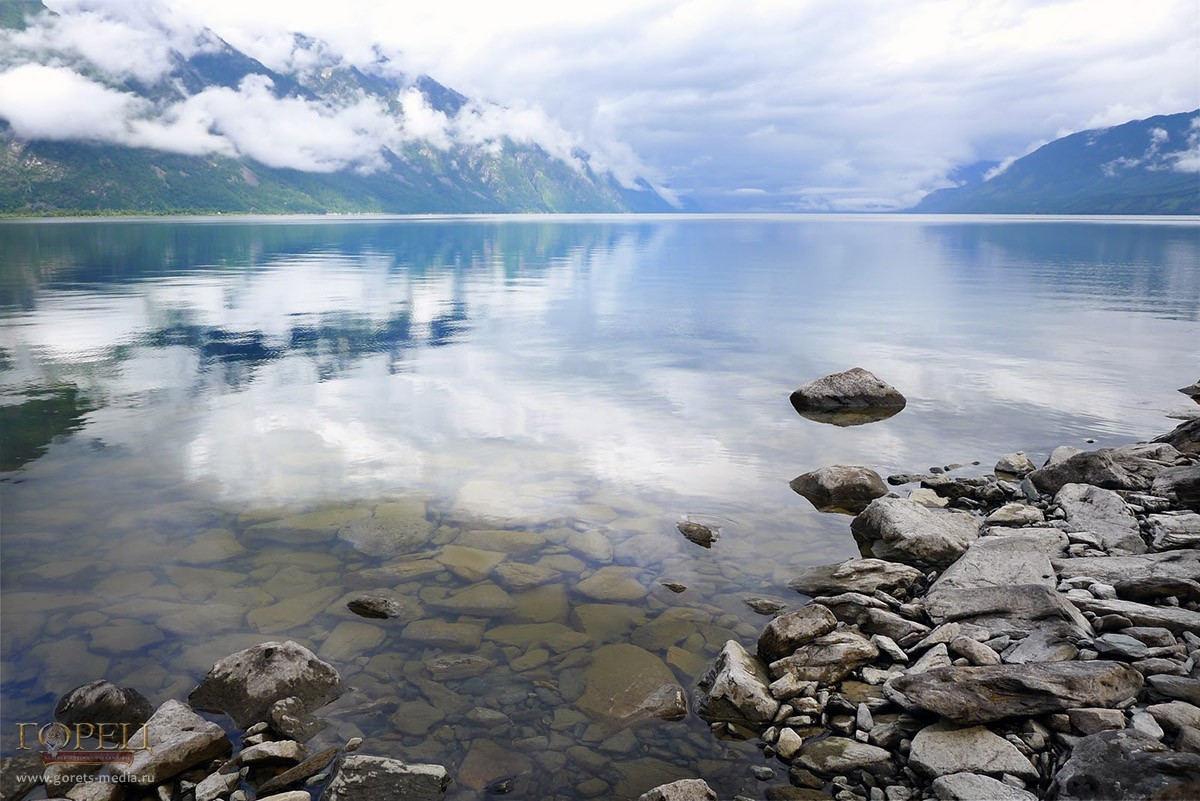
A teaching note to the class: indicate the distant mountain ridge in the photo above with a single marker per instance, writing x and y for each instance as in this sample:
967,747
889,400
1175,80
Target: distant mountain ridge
484,174
1149,166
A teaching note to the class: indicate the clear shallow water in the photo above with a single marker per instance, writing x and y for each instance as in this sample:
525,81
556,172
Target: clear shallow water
167,386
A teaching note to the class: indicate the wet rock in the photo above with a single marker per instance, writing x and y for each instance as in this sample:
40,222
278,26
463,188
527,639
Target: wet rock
246,684
436,633
486,763
1133,467
382,607
416,718
371,778
1015,464
295,775
289,717
676,587
102,701
765,606
736,689
626,683
973,787
698,533
1102,512
182,740
1180,484
944,749
856,575
1175,530
469,564
787,632
840,488
827,658
613,584
900,530
838,756
1192,391
970,695
855,388
682,790
1126,764
1015,514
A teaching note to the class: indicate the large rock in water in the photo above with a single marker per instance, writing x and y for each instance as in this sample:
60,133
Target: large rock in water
840,488
736,689
855,575
971,695
1127,764
245,685
850,398
1102,512
627,683
1133,467
372,778
899,530
179,739
102,701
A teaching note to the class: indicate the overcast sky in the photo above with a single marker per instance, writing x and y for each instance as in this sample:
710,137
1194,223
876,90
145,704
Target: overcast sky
797,104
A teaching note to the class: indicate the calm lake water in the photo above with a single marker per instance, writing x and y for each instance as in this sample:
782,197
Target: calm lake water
217,432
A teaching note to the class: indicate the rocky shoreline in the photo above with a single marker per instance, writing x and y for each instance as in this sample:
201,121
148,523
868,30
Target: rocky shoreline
1032,633
1029,634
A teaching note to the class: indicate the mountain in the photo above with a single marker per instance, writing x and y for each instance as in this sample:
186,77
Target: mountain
1149,166
202,123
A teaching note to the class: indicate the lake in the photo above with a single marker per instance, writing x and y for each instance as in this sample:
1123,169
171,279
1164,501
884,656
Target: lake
217,432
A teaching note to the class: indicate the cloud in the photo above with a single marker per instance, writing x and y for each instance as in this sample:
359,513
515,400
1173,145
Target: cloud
56,103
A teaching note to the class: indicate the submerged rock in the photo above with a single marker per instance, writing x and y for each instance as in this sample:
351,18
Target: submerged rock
736,689
627,683
102,701
245,685
900,530
855,575
970,695
840,488
371,778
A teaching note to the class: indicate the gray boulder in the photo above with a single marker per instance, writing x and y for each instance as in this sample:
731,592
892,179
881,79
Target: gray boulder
943,749
873,617
1185,438
969,695
1133,467
1015,464
838,756
1176,619
1114,569
840,488
179,739
973,787
682,790
372,778
102,701
1126,764
1180,484
855,575
990,607
1102,512
854,388
1175,530
828,658
899,530
245,685
736,689
787,632
996,562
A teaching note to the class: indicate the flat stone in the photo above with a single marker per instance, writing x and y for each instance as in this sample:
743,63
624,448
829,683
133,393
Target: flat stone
969,695
973,787
479,600
1175,715
1015,514
416,718
371,778
899,530
1180,484
976,652
290,718
996,562
944,749
102,701
828,658
927,498
1176,619
592,546
787,632
840,488
615,584
394,528
181,740
272,751
516,576
1115,569
555,636
856,575
514,543
858,610
290,612
436,633
470,564
246,684
305,529
1174,688
1090,721
1015,464
838,756
215,785
1051,644
1120,646
620,680
295,775
1103,512
1175,530
1126,764
350,639
458,666
736,689
681,790
1000,608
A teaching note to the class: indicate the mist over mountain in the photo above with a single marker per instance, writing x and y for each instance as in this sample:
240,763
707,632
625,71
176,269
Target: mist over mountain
143,113
1149,166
